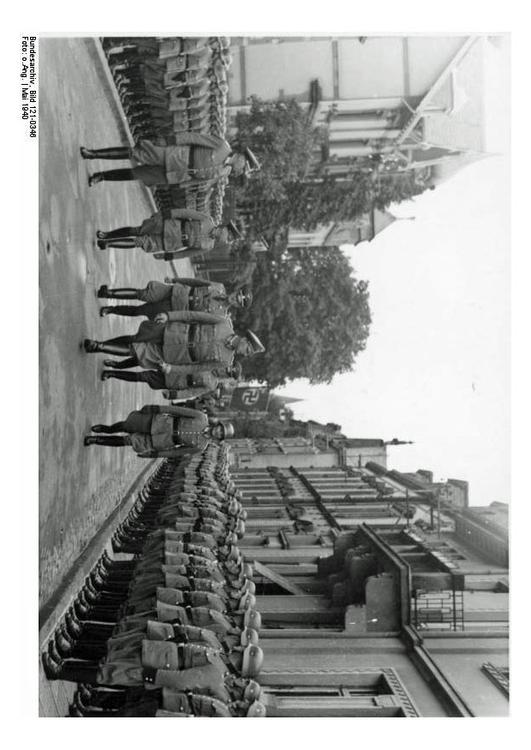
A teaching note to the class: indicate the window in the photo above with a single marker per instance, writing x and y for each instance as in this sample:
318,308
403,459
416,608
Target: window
369,693
499,676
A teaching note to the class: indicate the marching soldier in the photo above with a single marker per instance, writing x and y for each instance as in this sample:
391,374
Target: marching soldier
180,382
179,233
176,294
195,158
157,431
176,338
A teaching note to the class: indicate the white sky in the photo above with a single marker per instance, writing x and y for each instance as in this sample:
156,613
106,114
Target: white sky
436,366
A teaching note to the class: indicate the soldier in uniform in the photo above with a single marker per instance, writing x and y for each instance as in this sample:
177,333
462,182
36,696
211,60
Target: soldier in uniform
180,337
194,158
178,294
157,431
178,233
181,382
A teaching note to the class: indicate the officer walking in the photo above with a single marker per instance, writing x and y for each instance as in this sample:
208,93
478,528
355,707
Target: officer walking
177,294
183,382
157,431
195,158
180,337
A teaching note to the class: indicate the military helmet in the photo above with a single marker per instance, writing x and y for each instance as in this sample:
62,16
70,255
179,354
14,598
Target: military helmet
228,429
232,539
252,619
247,601
249,637
256,710
249,586
253,658
252,691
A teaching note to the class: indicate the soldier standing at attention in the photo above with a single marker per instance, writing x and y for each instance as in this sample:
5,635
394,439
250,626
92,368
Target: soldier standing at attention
194,158
178,233
157,431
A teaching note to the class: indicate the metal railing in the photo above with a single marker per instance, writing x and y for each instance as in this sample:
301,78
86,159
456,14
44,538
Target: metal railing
438,610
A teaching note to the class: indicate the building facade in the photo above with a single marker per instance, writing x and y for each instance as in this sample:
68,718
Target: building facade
375,600
417,102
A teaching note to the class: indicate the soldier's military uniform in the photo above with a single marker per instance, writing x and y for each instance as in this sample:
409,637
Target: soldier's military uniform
157,431
192,294
183,382
183,234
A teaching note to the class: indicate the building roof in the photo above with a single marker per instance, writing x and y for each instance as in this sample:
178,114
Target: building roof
380,220
460,126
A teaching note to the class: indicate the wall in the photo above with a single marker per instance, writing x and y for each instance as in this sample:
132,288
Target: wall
341,654
381,67
461,660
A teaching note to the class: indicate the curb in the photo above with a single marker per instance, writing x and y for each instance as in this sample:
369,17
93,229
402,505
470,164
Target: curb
54,609
122,116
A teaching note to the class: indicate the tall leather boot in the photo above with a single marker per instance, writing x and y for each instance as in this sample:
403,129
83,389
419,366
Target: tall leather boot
118,152
78,671
120,346
131,377
113,440
122,293
127,310
111,175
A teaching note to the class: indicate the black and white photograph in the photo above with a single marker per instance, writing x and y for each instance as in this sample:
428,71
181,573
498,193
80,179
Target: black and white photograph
274,380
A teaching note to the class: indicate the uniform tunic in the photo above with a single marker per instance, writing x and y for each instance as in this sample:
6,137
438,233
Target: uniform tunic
185,294
194,157
209,341
162,430
188,232
195,704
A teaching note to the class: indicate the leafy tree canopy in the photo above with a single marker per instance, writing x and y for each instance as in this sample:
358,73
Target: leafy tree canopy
311,314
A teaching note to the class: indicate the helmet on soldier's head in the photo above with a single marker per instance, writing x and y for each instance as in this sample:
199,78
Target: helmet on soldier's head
256,710
249,586
227,429
252,691
234,554
231,539
252,619
247,601
253,658
249,637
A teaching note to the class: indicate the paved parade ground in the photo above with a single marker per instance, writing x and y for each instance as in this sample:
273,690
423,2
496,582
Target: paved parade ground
79,487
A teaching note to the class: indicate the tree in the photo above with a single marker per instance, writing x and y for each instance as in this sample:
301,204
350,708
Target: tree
290,191
312,315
